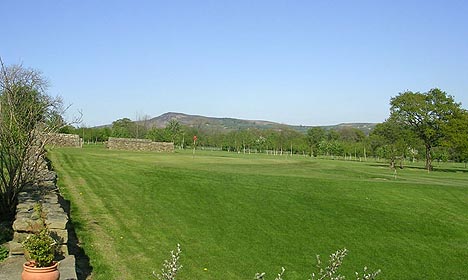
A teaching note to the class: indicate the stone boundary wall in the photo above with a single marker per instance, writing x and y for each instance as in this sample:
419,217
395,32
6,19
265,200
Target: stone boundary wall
65,140
39,205
132,144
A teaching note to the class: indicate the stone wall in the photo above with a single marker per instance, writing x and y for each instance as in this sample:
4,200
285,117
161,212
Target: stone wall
64,140
131,144
38,207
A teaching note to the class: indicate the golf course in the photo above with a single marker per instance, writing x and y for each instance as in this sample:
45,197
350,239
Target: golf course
236,214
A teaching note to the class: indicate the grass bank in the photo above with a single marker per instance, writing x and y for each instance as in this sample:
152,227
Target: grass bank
235,215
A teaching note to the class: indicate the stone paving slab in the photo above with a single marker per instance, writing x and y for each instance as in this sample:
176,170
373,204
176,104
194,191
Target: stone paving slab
11,268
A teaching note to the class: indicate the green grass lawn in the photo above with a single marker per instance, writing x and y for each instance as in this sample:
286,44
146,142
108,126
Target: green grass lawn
237,214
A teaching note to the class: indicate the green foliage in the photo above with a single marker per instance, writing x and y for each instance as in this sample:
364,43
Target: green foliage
427,114
315,136
158,135
123,128
41,248
457,135
173,130
351,134
392,140
3,253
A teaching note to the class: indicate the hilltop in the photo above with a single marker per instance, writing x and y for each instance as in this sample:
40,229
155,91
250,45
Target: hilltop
234,124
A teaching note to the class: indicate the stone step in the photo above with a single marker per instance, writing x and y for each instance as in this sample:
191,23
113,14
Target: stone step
12,267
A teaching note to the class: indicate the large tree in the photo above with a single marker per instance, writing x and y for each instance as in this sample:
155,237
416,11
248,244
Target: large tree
27,115
427,114
457,136
124,128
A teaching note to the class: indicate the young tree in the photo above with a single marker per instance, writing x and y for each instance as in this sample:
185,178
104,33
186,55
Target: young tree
315,135
158,135
392,139
174,129
426,114
27,116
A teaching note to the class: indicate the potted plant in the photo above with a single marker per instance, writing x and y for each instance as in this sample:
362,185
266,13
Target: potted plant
40,251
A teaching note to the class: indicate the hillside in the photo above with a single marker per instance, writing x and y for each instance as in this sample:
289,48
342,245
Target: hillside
234,124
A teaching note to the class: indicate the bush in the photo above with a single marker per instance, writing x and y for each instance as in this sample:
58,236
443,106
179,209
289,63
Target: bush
41,248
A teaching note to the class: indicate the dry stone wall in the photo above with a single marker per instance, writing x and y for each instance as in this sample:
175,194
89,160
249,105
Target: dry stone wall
132,144
64,140
38,207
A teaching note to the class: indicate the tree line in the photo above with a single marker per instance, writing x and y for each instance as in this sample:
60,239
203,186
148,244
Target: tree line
421,126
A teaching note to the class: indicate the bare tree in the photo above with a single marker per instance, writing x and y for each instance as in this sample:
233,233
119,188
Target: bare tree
27,117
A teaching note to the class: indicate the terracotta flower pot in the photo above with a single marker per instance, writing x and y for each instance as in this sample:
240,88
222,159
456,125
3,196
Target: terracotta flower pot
40,273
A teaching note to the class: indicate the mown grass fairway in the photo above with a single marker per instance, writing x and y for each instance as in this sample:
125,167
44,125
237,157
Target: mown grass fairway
239,214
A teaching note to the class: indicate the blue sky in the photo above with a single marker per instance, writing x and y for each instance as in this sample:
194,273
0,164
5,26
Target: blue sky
295,62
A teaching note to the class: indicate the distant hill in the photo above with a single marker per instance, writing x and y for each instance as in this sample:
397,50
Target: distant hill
228,124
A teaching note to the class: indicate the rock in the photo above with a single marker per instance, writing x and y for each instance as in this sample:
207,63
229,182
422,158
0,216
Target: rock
25,208
67,268
51,198
15,248
62,250
20,236
60,235
56,220
51,208
48,176
26,224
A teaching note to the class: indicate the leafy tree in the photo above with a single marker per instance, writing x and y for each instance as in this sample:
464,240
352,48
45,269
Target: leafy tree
333,135
351,134
123,128
392,140
330,148
173,129
457,136
315,135
158,135
427,114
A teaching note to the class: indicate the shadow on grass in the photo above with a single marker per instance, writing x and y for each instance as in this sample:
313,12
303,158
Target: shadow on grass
83,267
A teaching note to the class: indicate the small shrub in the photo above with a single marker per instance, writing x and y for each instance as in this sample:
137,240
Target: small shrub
330,271
170,267
41,248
